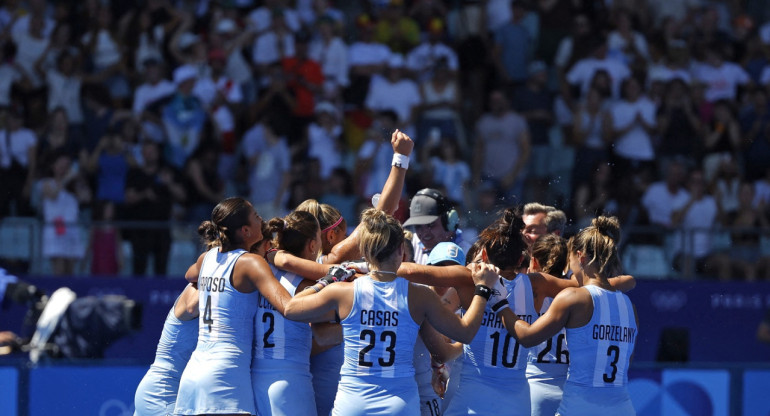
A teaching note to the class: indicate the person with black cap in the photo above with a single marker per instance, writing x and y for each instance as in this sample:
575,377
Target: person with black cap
434,221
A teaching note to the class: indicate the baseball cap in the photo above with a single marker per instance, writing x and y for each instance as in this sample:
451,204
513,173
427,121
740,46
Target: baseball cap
446,251
423,210
184,73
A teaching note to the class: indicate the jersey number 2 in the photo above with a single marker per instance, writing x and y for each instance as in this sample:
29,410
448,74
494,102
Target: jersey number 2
391,348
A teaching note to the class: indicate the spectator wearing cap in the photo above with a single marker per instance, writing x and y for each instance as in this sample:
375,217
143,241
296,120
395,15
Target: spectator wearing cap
423,58
434,220
534,102
183,117
18,163
274,44
502,147
394,91
513,48
366,58
331,53
396,30
305,80
324,138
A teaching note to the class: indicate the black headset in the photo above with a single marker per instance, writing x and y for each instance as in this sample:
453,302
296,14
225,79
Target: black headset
449,217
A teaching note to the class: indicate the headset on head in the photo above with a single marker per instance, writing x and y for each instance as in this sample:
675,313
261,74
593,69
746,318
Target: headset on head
450,219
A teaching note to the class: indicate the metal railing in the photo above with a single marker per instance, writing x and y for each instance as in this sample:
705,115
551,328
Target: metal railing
646,251
21,245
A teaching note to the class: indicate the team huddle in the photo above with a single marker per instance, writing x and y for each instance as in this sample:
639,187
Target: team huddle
294,317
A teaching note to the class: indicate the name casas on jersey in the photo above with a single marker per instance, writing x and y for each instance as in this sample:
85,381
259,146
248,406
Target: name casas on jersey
379,318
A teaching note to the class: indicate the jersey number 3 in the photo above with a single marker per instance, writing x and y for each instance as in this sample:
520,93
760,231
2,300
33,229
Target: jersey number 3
386,336
614,352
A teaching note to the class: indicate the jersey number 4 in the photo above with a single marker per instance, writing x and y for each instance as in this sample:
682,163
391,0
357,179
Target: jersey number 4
385,336
207,319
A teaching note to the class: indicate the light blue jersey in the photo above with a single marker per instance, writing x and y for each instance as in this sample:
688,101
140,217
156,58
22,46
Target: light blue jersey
156,394
547,370
216,379
280,372
377,376
600,353
494,364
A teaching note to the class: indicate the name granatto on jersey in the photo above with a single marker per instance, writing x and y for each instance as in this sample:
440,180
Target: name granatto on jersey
493,320
616,333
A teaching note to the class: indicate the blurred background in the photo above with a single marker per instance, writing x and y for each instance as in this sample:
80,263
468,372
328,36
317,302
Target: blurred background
122,124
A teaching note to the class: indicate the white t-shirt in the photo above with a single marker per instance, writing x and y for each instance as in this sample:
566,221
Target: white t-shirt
146,94
701,214
761,192
381,153
107,51
616,42
8,75
721,81
28,51
659,72
425,55
660,203
361,53
583,72
262,17
322,145
20,141
637,143
265,50
400,96
453,176
333,58
64,92
206,90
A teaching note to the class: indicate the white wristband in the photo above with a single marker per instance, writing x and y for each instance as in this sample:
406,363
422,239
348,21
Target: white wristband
400,161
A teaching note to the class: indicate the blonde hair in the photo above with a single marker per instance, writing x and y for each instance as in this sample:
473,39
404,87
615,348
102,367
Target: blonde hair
326,214
380,235
599,242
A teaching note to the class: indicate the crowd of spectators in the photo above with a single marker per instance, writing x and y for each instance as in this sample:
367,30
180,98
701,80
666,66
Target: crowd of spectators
154,110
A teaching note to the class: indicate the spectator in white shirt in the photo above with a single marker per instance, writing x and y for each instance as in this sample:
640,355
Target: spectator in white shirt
661,197
155,87
274,44
722,78
263,17
395,92
424,57
366,58
627,43
31,45
332,54
324,138
695,215
583,70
